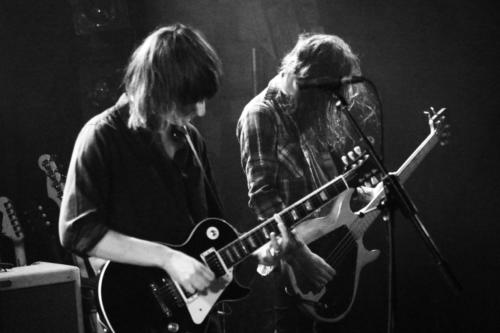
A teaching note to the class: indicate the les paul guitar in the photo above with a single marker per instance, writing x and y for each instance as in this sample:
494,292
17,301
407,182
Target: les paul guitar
345,229
12,229
132,297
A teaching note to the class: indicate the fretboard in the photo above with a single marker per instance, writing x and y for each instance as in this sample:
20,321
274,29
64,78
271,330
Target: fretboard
411,163
252,240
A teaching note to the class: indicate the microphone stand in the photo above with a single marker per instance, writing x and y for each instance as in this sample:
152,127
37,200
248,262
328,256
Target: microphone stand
397,197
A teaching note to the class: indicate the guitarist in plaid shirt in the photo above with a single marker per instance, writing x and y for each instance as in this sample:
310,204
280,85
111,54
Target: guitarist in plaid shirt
291,141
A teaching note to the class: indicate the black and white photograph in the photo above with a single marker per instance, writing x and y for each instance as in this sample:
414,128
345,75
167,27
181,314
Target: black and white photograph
243,166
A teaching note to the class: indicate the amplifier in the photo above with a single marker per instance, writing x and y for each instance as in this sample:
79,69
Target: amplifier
42,297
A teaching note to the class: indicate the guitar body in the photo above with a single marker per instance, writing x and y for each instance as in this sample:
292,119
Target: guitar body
347,257
145,299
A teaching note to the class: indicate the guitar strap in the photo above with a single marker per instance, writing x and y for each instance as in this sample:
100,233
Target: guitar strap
203,171
224,309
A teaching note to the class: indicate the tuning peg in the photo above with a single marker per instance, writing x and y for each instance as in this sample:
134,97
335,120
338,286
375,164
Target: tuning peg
440,111
431,111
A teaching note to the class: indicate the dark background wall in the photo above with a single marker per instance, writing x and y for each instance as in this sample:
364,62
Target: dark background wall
419,53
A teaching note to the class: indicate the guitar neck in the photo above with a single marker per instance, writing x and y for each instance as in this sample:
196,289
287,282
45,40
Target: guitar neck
11,227
403,173
411,163
245,245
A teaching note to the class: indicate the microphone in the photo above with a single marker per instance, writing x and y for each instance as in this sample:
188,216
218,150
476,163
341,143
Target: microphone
329,83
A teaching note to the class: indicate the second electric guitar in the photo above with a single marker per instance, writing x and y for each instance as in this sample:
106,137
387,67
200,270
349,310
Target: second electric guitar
338,238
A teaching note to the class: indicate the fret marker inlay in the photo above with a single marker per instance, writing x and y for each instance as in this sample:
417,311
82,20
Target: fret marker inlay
235,251
252,242
229,255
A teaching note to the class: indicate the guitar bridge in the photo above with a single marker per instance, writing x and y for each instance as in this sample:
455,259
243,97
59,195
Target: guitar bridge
165,291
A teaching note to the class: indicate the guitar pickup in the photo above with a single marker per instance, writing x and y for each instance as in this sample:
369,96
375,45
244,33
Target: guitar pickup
214,261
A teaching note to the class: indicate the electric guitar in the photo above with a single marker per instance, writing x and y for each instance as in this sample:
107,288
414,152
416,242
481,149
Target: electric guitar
12,229
55,188
345,229
132,297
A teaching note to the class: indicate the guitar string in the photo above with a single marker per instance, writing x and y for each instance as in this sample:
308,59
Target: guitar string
345,245
338,253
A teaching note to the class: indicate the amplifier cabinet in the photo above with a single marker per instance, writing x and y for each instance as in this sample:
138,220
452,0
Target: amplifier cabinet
42,297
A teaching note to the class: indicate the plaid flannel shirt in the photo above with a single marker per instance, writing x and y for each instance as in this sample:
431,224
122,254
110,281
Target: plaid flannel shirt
274,156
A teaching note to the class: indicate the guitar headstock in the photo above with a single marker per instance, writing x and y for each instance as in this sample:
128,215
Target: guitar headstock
10,222
55,179
438,124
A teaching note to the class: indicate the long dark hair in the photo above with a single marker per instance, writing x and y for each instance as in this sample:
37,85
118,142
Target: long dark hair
174,65
315,56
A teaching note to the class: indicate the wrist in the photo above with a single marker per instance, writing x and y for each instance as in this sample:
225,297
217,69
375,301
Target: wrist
163,256
298,247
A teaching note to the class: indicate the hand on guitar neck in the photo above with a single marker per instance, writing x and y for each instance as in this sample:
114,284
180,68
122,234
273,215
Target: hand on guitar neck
295,252
365,193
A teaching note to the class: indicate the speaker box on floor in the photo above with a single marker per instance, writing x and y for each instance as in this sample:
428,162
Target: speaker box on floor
43,297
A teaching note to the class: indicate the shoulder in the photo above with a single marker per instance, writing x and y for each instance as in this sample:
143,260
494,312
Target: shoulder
260,109
109,118
102,126
265,106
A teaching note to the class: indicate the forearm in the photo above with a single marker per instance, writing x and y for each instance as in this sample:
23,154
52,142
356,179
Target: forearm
121,248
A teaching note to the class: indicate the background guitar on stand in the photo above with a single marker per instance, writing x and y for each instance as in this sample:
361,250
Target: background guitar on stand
89,267
12,229
348,256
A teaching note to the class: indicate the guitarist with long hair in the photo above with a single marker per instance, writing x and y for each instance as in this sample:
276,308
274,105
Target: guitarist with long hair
139,179
132,181
293,140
